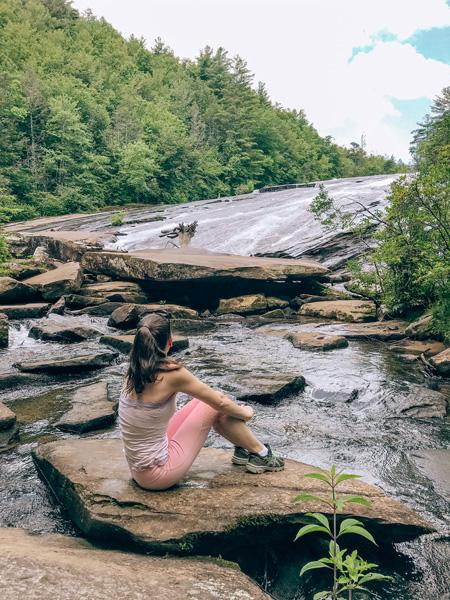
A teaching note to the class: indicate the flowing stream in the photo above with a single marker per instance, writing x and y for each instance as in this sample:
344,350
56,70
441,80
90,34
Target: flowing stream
329,423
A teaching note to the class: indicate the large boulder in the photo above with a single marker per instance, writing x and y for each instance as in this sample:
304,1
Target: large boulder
213,509
422,403
441,362
433,465
385,331
269,389
13,291
76,302
25,311
4,330
192,326
123,343
65,279
90,410
45,567
417,347
242,305
316,341
103,309
7,417
194,264
66,331
124,317
116,291
356,311
421,328
86,362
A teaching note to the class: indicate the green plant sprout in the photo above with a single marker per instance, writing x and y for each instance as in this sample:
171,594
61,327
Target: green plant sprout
117,218
350,571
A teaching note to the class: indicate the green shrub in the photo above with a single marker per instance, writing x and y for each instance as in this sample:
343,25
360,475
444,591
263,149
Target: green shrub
117,218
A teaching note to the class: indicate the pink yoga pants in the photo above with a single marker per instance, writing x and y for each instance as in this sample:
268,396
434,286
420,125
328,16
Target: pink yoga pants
187,432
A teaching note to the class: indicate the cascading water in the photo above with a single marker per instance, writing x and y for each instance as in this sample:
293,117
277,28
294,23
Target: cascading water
328,424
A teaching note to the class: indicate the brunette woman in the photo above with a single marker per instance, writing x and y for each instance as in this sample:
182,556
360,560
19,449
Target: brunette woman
161,443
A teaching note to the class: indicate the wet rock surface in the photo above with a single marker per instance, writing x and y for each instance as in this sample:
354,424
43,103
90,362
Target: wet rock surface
90,410
85,362
355,311
434,464
417,347
4,330
9,429
65,279
67,331
7,417
422,403
25,311
209,509
420,329
310,340
192,326
267,389
123,343
46,567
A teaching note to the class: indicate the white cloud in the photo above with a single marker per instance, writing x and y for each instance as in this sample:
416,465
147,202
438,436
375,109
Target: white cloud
301,48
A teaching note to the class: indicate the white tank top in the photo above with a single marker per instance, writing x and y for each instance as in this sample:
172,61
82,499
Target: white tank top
143,426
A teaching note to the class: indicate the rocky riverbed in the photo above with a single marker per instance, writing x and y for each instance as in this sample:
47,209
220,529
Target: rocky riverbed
367,395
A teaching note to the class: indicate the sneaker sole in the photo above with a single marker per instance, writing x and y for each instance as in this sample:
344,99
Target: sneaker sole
262,469
239,461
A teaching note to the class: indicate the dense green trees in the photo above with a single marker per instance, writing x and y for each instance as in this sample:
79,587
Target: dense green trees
89,119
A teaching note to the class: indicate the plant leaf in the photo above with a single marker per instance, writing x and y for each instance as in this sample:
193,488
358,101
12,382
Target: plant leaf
315,564
373,576
357,500
345,476
321,518
348,523
321,595
360,531
319,476
333,471
310,529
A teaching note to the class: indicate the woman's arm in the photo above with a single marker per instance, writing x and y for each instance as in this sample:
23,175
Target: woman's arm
185,382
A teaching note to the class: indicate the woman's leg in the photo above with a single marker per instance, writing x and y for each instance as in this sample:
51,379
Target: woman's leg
180,416
189,432
238,433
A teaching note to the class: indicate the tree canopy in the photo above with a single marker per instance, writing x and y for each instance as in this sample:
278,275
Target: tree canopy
90,119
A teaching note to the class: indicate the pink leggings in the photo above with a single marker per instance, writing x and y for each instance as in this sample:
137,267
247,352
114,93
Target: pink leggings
187,432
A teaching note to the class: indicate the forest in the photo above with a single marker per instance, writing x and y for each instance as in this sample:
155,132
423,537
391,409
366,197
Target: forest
89,119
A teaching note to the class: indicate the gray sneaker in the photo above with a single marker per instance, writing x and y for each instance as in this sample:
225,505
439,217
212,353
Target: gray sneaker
272,462
240,456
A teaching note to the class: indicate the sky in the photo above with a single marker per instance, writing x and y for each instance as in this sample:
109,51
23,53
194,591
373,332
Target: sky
358,68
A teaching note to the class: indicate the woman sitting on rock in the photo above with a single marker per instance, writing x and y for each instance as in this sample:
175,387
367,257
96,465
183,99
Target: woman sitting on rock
161,444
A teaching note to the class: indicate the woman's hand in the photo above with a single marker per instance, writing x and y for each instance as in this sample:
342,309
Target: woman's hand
248,412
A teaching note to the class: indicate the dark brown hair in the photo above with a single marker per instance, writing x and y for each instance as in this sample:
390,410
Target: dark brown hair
147,356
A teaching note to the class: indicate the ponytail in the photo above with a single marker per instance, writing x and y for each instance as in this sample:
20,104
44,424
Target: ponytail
147,356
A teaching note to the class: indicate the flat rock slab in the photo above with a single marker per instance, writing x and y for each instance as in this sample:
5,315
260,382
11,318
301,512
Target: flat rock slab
441,362
417,347
355,311
13,380
123,343
66,331
45,567
25,311
217,504
65,279
434,465
63,365
116,291
181,265
268,389
192,326
385,331
7,417
310,340
250,303
90,410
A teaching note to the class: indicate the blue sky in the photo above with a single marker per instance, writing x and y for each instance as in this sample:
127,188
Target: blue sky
357,67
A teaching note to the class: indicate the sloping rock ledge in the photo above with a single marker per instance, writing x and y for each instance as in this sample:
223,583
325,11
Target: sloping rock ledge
217,506
46,567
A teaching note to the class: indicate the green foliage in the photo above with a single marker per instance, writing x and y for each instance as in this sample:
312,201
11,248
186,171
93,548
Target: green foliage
117,218
350,571
89,119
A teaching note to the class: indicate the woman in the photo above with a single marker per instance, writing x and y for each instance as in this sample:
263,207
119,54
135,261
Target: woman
160,444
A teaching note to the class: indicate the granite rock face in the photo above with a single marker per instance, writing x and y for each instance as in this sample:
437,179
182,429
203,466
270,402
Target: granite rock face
65,279
355,311
215,506
45,567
